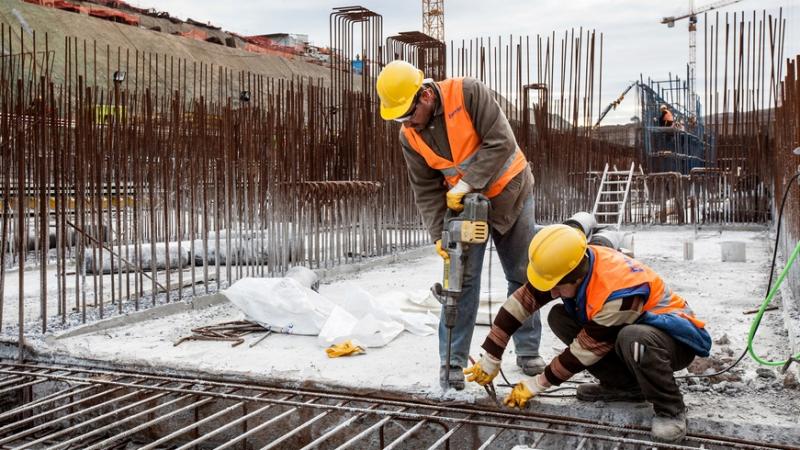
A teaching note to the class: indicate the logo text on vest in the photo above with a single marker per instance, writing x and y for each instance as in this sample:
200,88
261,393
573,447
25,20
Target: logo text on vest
454,112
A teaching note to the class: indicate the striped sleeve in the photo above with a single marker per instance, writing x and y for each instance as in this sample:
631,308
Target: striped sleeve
596,339
518,307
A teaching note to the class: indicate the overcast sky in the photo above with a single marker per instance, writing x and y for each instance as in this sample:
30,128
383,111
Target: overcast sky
634,40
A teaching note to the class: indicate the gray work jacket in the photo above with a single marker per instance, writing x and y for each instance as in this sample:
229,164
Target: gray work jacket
497,145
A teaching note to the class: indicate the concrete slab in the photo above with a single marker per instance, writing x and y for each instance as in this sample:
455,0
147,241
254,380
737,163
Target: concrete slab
748,404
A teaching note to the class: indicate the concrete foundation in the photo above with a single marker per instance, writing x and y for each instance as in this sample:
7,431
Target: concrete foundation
749,402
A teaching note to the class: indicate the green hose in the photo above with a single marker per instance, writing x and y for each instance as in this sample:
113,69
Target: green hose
757,319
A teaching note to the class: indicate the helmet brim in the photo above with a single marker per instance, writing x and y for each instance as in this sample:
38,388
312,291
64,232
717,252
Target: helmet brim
397,111
538,281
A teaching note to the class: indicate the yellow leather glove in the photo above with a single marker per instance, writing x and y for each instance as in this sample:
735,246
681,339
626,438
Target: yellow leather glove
526,390
445,256
455,196
344,349
483,371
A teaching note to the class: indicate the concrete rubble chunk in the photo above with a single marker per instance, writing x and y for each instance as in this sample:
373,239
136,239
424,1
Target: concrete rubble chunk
724,340
763,372
790,381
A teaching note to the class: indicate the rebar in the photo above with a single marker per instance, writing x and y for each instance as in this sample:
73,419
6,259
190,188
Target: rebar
128,194
149,409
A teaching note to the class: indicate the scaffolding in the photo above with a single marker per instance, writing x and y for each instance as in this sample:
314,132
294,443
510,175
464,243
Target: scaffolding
684,145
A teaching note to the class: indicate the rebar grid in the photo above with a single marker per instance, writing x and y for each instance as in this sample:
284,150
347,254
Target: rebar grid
94,409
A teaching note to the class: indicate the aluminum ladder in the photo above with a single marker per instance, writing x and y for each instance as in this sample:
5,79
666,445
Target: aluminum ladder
612,196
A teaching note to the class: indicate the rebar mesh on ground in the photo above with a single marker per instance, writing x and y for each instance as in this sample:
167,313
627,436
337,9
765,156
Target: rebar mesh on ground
67,407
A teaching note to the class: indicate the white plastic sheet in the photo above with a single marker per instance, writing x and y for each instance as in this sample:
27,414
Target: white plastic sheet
282,303
366,331
370,321
346,311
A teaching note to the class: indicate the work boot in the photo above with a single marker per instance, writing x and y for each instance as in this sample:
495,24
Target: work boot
668,428
593,392
531,365
455,380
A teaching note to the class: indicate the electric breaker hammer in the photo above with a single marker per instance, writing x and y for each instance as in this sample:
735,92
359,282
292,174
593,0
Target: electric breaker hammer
470,226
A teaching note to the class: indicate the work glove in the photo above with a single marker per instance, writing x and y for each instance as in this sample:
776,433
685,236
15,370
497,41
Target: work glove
445,256
483,371
344,349
456,194
526,390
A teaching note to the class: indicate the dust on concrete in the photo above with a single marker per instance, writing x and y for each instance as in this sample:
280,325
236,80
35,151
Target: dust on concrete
738,402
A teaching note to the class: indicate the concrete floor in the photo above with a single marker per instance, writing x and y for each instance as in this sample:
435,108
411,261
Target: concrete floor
762,404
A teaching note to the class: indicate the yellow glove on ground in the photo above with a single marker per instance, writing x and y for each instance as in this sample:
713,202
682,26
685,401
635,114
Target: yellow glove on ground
343,349
445,256
483,371
456,195
526,390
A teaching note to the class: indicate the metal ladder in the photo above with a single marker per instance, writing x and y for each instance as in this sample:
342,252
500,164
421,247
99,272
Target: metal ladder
612,196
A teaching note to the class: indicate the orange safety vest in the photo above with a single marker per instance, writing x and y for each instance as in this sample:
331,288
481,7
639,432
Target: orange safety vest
614,275
616,272
464,142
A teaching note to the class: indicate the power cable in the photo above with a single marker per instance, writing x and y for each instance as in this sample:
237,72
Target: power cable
768,298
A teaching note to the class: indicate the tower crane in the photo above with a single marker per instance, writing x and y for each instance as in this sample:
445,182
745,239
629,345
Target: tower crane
692,16
433,18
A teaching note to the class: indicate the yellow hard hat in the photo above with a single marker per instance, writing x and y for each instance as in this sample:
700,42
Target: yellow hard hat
554,252
397,85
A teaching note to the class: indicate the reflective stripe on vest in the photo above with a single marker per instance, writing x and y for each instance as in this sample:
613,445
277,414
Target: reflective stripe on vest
614,272
464,142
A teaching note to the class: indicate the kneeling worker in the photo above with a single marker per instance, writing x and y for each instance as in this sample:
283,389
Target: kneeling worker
621,321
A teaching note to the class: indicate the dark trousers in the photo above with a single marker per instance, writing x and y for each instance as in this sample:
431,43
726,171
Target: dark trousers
644,357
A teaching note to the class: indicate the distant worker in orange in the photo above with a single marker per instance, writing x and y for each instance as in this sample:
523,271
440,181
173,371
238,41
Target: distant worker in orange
666,119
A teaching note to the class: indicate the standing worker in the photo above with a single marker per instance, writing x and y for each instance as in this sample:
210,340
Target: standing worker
621,321
665,119
456,140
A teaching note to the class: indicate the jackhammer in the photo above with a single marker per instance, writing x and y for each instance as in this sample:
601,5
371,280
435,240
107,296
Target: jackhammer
470,226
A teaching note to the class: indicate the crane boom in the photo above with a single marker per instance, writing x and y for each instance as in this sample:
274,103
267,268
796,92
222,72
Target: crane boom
670,21
692,16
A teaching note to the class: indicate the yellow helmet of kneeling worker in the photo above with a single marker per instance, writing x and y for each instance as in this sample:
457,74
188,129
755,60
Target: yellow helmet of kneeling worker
555,251
397,85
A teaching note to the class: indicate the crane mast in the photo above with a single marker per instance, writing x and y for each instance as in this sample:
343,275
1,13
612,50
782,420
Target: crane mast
433,18
692,16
